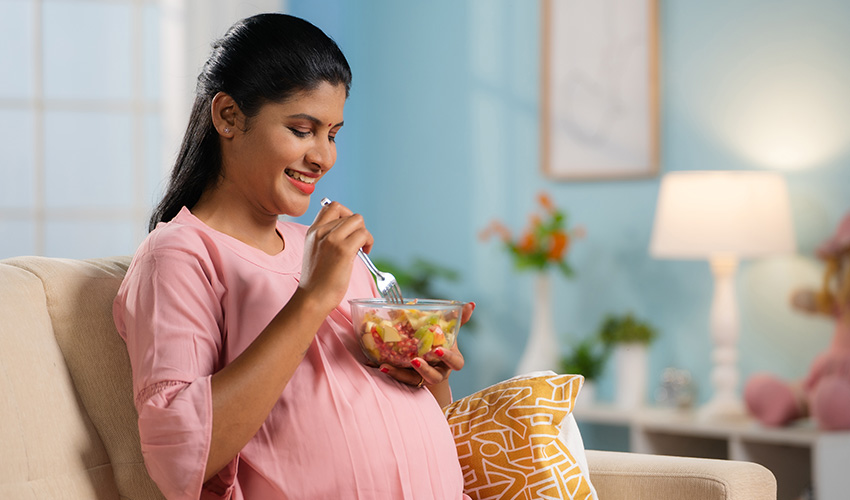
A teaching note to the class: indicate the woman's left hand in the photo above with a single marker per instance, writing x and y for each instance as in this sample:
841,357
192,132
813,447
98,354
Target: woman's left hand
425,374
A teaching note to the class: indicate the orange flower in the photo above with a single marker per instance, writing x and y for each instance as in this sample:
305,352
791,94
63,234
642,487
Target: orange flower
546,202
498,228
560,241
544,243
526,243
503,231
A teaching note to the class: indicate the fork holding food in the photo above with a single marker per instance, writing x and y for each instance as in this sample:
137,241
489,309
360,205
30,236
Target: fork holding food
417,372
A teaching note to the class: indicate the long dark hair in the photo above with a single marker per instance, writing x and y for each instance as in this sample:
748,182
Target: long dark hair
264,58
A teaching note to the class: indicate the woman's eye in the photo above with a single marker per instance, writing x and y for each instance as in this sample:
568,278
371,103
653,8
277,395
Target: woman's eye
299,133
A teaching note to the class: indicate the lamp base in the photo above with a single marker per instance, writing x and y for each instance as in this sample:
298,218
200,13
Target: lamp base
722,409
724,402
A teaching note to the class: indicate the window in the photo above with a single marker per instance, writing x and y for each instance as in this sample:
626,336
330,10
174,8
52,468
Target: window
80,122
94,97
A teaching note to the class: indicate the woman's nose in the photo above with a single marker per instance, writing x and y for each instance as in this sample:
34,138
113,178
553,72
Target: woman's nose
321,154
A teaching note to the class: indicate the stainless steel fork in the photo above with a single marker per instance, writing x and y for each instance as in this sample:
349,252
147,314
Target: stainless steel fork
387,284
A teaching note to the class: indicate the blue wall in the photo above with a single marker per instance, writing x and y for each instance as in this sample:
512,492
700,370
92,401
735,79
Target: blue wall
444,115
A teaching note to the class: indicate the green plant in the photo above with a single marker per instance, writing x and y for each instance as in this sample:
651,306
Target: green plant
417,279
618,329
588,358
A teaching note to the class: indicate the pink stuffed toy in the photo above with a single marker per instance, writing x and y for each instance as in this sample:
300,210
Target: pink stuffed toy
825,393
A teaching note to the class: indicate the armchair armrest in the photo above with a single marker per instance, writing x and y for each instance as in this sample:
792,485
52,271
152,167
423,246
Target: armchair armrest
637,476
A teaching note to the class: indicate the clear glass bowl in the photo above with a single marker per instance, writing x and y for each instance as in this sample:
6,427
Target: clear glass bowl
396,333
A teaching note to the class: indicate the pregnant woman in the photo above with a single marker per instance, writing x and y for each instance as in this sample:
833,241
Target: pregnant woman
248,378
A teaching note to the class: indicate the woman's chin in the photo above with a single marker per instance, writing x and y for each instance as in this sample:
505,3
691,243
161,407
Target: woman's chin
295,208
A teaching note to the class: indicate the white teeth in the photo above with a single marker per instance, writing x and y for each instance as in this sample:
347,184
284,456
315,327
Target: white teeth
300,177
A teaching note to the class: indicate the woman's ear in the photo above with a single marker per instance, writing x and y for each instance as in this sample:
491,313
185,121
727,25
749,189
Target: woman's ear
226,115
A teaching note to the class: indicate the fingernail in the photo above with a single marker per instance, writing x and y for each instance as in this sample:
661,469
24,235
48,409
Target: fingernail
439,352
384,369
473,305
416,363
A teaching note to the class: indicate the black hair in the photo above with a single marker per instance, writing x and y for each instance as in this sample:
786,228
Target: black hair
264,58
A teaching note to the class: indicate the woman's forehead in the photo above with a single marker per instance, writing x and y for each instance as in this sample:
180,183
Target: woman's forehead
325,103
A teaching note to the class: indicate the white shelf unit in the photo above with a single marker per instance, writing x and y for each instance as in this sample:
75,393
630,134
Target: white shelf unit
798,455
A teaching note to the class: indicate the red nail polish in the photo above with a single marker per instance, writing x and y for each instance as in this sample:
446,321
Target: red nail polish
439,352
416,363
384,369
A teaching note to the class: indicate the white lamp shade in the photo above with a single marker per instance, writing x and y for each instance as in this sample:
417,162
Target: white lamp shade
701,214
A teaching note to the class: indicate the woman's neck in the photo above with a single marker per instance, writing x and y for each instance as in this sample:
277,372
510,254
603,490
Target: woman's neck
240,222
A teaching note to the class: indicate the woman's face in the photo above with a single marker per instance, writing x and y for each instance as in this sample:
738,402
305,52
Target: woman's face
287,147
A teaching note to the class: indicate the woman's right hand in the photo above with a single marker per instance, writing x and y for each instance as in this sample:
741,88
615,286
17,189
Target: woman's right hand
245,391
329,251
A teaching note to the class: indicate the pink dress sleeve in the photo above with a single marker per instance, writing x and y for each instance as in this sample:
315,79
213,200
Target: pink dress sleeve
168,311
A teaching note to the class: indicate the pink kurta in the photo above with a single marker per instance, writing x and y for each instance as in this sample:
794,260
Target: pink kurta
192,301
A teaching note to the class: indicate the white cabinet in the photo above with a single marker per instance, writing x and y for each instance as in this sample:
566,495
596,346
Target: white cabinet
799,455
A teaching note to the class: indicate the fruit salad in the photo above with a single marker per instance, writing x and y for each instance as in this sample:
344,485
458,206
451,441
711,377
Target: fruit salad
406,333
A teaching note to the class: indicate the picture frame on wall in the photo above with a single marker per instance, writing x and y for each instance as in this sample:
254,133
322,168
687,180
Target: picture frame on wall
599,95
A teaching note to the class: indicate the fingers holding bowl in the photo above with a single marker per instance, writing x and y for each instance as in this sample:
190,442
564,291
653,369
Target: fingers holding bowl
466,312
409,376
430,369
414,342
422,373
431,374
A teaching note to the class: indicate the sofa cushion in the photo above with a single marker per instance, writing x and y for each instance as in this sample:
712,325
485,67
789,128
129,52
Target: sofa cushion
78,295
50,448
518,439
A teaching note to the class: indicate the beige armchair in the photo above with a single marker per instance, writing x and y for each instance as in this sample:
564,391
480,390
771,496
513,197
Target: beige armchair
68,425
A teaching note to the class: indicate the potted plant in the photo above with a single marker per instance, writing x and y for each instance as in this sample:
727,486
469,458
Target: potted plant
587,358
543,245
628,338
626,329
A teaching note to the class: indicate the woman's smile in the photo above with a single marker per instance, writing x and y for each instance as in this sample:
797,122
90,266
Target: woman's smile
306,183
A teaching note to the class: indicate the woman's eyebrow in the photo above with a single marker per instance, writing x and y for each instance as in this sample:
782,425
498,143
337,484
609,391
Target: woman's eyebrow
305,116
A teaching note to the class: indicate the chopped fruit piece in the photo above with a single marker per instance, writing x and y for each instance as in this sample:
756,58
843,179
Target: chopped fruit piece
421,332
397,336
390,334
425,344
370,326
439,337
369,344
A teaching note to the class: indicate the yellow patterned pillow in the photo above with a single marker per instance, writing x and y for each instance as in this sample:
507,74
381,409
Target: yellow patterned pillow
510,442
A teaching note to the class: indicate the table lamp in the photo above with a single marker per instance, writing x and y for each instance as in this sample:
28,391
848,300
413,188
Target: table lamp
722,216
